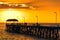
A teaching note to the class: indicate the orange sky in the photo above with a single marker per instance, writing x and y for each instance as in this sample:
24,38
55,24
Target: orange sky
17,1
44,16
45,12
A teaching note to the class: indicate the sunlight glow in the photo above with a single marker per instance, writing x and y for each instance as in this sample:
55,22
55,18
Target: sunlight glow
1,2
24,5
11,14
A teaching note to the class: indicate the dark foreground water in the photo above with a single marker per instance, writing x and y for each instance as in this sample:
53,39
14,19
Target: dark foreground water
11,36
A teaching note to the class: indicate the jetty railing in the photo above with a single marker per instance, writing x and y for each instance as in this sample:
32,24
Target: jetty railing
46,32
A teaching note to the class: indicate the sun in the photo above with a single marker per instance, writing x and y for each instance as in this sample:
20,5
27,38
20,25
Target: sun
11,14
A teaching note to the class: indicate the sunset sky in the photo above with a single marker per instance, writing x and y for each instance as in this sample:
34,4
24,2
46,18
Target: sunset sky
44,10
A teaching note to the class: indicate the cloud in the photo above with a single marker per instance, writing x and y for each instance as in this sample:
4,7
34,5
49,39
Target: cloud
47,3
40,4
